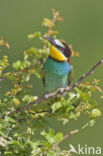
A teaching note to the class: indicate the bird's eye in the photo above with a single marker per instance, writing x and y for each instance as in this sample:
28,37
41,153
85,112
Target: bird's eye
62,49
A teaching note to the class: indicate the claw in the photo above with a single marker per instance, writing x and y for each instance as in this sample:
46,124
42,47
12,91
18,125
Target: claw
61,90
46,96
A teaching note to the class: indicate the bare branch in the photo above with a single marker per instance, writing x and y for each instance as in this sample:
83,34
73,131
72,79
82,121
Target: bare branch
65,137
67,89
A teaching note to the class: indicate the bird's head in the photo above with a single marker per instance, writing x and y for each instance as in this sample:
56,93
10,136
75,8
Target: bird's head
59,50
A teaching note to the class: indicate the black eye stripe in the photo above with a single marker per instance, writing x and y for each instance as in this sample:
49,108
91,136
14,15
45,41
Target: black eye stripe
62,49
59,47
66,53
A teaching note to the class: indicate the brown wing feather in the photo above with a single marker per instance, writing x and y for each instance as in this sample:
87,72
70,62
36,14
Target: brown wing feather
43,76
70,77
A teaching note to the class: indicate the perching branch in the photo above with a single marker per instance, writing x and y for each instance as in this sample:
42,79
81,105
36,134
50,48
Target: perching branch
65,137
60,91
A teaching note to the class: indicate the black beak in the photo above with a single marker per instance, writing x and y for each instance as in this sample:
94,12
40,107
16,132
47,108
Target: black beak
51,40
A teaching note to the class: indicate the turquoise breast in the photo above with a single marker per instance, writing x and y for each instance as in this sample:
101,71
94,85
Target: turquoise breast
56,74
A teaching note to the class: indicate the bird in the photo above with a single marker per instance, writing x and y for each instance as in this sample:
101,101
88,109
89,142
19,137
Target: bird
57,70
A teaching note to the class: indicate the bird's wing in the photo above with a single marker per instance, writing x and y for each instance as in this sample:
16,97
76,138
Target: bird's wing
70,77
43,76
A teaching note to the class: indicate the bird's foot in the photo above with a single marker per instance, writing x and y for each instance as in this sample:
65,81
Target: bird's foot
46,95
61,90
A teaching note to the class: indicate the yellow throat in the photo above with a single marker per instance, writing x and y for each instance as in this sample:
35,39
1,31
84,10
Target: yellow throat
56,54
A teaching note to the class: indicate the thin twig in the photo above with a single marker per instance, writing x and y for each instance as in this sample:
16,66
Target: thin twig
65,137
25,70
49,32
67,89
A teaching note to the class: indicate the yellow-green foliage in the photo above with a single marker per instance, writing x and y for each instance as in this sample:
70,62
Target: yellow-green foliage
18,131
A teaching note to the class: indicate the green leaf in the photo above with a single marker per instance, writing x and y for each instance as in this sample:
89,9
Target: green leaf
35,34
96,113
4,132
26,77
92,103
56,106
35,152
18,65
71,96
47,22
58,137
14,142
64,120
78,90
73,115
7,118
36,147
70,107
91,122
27,98
84,126
8,152
51,153
49,136
3,142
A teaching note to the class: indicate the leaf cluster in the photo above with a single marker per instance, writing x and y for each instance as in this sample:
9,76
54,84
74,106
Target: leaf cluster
19,133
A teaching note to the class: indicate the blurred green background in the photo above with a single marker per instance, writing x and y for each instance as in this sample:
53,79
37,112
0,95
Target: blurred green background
82,26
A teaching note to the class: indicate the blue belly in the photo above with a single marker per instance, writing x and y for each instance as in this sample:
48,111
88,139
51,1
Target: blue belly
56,74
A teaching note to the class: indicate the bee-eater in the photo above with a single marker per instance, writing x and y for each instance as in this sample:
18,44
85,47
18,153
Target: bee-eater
56,72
